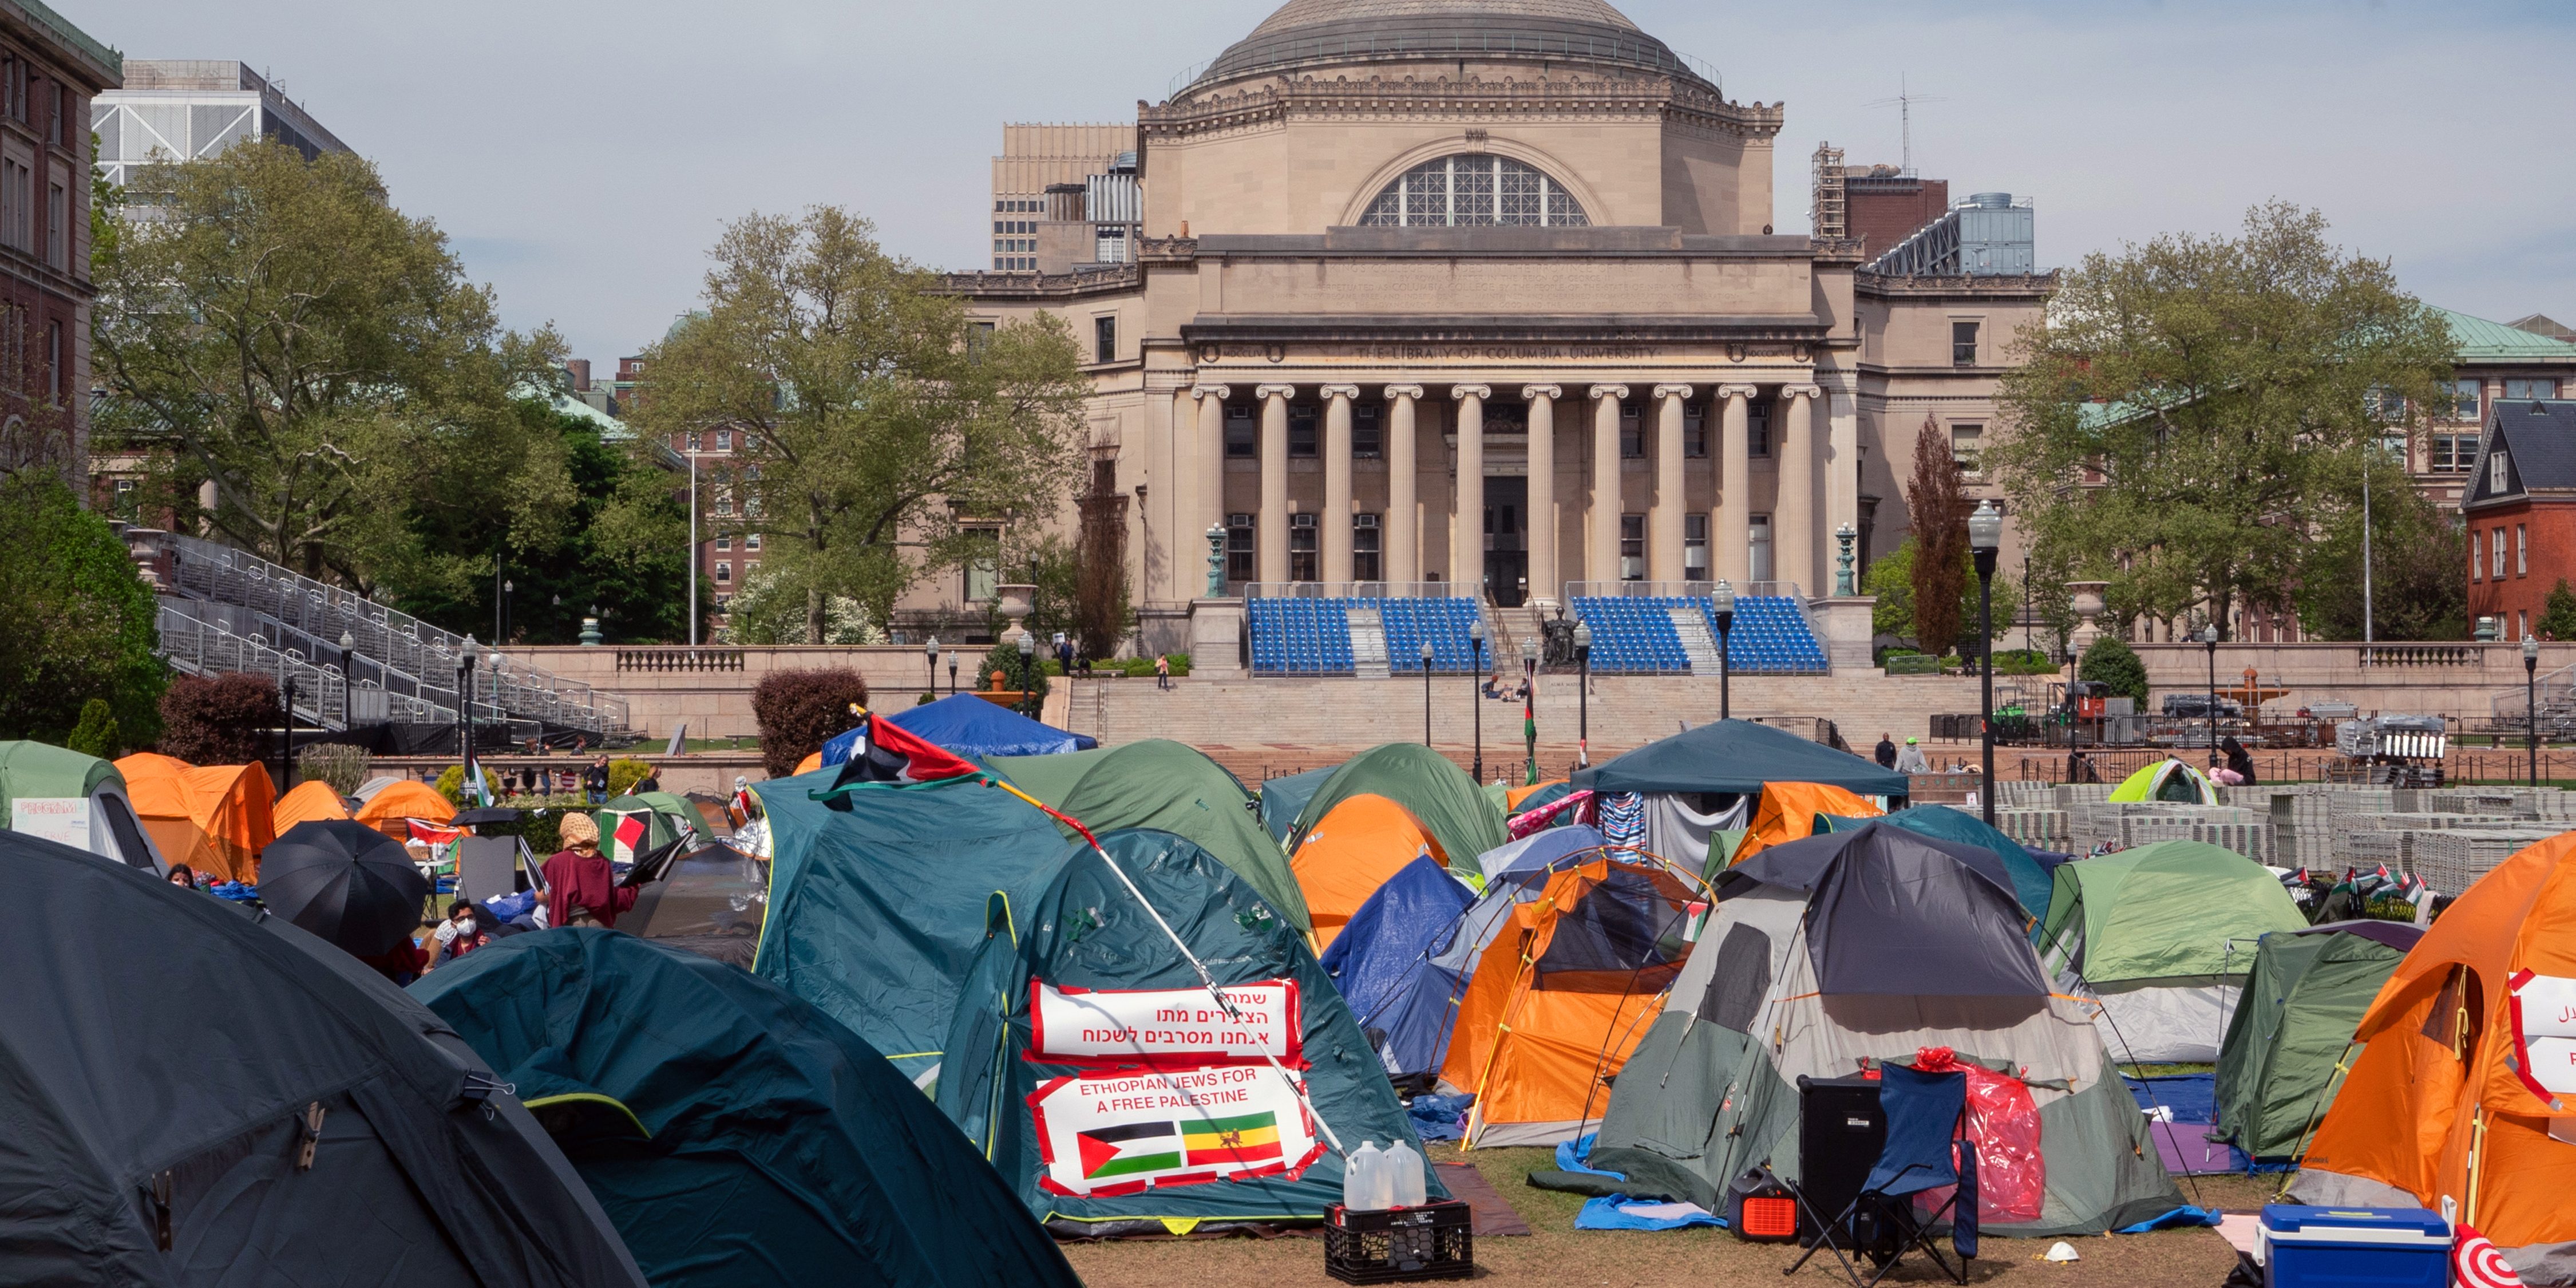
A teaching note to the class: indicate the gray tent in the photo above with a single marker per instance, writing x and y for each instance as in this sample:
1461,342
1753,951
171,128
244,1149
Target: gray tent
197,1093
1852,948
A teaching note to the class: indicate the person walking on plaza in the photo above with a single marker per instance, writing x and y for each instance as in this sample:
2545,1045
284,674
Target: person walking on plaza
1885,755
581,884
595,781
1910,759
1163,671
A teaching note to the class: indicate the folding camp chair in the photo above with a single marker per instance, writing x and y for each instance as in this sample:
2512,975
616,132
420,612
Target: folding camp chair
1925,1113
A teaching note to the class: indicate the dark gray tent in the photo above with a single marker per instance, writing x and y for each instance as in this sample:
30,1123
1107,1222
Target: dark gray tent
1737,756
196,1093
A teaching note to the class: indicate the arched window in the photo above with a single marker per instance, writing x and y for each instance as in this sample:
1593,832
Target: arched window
1470,190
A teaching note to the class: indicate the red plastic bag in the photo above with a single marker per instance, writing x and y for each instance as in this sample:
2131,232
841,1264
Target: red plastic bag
2003,1125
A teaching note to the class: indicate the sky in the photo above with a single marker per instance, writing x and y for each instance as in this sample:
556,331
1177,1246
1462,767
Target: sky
582,155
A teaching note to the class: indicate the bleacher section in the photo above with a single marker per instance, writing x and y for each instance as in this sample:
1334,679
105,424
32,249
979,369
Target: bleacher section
1635,634
1295,636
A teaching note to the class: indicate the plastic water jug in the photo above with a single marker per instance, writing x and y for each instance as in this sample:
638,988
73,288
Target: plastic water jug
1361,1190
1404,1163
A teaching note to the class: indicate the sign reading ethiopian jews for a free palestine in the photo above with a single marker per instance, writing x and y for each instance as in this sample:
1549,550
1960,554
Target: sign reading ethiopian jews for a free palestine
1164,1026
1116,1133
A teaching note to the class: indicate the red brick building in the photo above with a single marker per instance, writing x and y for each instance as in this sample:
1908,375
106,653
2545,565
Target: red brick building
2520,507
49,72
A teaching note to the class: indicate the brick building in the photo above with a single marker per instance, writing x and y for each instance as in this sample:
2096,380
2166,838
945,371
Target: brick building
49,72
2521,511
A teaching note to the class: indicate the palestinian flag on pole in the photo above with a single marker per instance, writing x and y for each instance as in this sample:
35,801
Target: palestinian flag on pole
1128,1148
1251,1138
630,835
885,752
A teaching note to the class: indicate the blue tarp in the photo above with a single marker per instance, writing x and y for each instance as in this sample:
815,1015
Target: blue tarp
2191,1097
1374,956
1534,853
1620,1212
970,726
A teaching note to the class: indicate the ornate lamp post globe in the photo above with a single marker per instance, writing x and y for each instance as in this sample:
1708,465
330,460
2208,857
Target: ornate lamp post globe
1985,537
1426,693
1583,693
2209,642
1028,663
1475,678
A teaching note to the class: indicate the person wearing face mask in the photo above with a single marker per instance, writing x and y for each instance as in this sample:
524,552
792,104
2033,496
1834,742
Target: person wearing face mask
182,875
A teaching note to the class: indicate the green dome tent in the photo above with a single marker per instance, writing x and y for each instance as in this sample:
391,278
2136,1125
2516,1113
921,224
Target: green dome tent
732,1132
663,817
2281,1064
76,799
1448,803
2168,780
1162,784
2163,935
1105,1124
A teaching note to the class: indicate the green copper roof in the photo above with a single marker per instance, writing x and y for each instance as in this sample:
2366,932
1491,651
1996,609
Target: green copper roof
2494,341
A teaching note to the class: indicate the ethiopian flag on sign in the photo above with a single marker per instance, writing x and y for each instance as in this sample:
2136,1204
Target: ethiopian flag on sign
1251,1138
1129,1148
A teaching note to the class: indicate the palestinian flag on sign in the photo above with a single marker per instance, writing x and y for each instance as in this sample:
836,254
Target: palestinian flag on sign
1251,1138
630,833
1129,1148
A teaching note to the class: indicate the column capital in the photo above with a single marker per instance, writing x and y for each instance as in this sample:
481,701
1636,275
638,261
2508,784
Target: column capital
1609,391
1403,391
1266,392
1218,392
1671,391
1532,393
1737,391
1464,392
1801,391
1341,391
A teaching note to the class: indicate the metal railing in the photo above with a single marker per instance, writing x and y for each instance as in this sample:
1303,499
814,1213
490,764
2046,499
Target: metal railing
198,647
1355,590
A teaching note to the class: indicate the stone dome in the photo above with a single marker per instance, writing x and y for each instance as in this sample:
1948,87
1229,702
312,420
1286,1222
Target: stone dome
1317,33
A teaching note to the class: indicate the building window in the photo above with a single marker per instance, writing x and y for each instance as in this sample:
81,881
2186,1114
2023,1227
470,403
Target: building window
2517,390
2495,472
1303,562
1364,548
724,572
1473,190
1967,444
982,568
1104,339
1632,547
54,363
1963,344
2451,453
2521,550
1239,548
58,224
2464,399
2477,565
724,500
2495,554
751,541
724,440
1695,547
1759,556
1694,432
2524,617
1242,433
1301,429
1757,428
1632,433
724,541
1368,439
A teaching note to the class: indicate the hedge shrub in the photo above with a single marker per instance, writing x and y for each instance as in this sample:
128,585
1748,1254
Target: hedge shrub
799,711
224,720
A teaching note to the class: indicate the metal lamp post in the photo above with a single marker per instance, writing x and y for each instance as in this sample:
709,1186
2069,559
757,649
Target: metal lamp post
931,651
952,675
465,707
1723,599
1985,537
1475,680
1426,694
2209,641
286,735
2531,704
1583,694
1529,707
1028,664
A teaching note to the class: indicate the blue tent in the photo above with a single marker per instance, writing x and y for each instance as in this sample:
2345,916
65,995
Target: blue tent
970,726
1284,798
1383,941
2032,881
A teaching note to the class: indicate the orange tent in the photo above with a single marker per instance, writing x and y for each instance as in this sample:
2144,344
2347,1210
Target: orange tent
1562,996
2469,1045
1788,812
1350,853
311,800
404,799
214,818
813,760
1513,796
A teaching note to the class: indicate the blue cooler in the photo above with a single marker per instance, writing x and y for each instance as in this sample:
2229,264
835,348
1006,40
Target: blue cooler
2320,1247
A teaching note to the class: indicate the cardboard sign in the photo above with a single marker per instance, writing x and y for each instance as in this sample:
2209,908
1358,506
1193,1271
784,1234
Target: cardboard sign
1164,1026
64,819
1108,1134
2544,1028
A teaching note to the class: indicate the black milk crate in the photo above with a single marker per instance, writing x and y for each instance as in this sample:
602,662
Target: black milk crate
1429,1241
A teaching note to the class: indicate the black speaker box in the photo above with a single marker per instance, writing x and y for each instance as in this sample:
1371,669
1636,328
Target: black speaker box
1840,1133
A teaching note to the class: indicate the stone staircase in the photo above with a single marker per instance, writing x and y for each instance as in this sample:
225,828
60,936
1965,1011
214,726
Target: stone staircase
1698,644
1368,643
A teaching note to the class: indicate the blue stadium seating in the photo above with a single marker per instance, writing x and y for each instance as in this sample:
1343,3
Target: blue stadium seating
1313,636
1770,635
1442,621
1635,634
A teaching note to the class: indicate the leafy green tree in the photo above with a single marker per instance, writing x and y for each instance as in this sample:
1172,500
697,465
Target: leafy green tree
291,337
1937,509
2558,613
875,410
96,733
2111,662
76,623
770,609
1891,578
2417,550
2196,409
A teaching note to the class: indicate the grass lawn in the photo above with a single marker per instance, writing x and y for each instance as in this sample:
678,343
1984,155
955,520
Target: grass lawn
1557,1253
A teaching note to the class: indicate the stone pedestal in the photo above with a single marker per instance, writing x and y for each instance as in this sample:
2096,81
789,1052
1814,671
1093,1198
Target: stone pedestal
1216,638
1843,625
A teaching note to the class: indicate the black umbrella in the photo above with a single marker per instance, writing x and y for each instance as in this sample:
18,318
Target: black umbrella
344,881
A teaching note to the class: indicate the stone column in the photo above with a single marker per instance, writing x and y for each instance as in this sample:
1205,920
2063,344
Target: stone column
1793,521
1730,521
1467,536
1403,513
1840,404
1335,541
1602,562
1176,493
1664,517
1273,519
1542,491
1210,500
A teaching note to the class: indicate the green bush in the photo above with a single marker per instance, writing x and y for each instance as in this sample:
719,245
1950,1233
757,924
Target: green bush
2113,663
2025,661
339,764
1005,658
924,700
96,734
623,773
451,784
